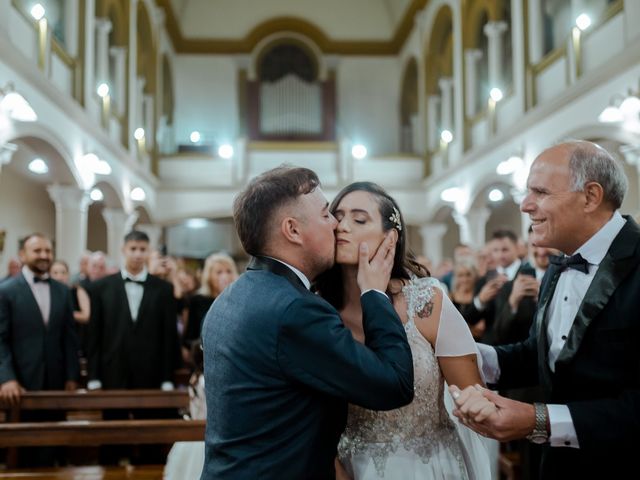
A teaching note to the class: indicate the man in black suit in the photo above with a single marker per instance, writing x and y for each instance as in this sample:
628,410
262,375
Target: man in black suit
38,344
583,348
494,289
132,331
280,366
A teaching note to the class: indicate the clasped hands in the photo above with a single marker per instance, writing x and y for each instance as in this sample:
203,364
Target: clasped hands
492,415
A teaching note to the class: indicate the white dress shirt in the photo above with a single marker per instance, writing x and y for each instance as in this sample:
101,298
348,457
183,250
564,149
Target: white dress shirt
41,291
135,291
563,307
511,270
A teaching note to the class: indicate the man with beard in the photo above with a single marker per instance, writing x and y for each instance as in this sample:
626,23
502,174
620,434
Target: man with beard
38,344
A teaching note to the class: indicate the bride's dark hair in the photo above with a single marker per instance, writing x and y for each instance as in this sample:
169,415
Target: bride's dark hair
329,284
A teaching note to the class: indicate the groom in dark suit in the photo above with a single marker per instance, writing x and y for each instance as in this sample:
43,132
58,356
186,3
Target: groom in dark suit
280,366
583,347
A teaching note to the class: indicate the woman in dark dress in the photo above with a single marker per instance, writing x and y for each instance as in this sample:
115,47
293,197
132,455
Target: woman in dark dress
462,292
219,271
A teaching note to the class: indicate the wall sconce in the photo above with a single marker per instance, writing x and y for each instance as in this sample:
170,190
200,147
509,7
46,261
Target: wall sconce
15,105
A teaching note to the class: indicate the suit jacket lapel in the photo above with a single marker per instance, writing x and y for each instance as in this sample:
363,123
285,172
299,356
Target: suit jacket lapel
278,268
124,296
35,308
546,294
615,266
144,300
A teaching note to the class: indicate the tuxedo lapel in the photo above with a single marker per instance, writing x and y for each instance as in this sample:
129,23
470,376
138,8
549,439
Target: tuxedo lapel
542,321
122,293
146,294
278,268
614,268
36,314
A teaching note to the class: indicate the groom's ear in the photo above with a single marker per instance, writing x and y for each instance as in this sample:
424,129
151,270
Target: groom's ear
290,229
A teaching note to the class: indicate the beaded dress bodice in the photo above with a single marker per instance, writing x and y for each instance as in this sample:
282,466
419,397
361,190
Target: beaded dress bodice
420,427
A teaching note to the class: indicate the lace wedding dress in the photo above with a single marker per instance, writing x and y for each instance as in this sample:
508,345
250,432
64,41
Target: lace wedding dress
421,440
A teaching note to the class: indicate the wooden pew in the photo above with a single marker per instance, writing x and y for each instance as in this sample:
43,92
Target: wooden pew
98,400
90,433
84,425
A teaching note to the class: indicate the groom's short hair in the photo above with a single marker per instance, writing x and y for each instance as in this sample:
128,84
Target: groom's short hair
255,206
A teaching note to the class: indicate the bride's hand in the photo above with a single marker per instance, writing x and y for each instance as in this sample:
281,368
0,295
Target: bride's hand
471,404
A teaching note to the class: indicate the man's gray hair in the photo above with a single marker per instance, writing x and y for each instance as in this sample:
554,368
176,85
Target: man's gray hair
589,162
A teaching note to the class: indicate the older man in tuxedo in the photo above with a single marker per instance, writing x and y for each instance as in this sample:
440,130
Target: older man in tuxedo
280,366
583,347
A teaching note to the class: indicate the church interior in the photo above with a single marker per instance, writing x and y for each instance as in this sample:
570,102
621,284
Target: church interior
153,114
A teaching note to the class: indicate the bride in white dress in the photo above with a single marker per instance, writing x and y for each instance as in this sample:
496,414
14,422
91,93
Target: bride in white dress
421,440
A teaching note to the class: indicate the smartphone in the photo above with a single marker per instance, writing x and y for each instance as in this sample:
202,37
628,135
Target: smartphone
491,274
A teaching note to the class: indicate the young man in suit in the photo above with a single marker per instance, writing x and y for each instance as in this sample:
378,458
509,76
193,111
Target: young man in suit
583,348
280,366
132,331
38,343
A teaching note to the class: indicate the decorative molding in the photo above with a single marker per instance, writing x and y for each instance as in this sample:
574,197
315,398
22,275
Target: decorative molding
245,45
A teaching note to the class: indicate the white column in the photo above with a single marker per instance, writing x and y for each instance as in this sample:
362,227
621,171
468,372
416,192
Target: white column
118,95
89,86
494,31
473,226
149,134
71,25
419,133
446,110
103,28
433,110
119,223
71,221
134,119
471,57
139,95
153,231
5,6
432,234
536,31
518,59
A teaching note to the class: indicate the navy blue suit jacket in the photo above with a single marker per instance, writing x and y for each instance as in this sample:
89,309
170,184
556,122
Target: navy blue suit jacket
38,356
280,368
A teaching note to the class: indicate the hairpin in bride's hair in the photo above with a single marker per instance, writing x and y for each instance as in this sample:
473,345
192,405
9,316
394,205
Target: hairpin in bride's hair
395,218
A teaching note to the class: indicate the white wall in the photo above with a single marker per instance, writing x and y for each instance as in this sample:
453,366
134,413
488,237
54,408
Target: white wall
355,19
367,102
206,97
25,207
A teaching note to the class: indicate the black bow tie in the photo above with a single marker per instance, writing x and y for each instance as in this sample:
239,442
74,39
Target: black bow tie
40,279
575,261
139,282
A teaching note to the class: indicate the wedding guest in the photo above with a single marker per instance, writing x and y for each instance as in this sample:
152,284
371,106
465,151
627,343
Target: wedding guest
584,349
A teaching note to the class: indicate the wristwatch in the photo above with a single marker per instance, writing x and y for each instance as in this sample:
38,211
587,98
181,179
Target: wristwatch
539,434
